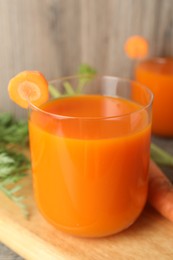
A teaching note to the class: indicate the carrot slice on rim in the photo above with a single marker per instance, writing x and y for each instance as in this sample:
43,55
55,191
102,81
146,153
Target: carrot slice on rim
136,47
28,86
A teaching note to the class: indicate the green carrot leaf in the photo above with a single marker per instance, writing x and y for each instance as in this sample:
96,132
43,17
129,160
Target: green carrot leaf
160,156
13,164
54,92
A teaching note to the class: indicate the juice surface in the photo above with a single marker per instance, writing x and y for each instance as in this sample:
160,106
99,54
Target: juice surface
157,74
90,174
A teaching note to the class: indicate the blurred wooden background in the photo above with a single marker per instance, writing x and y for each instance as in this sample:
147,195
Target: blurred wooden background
56,36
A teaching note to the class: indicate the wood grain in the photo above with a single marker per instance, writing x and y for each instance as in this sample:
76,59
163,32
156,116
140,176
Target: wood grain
38,35
110,23
149,238
55,36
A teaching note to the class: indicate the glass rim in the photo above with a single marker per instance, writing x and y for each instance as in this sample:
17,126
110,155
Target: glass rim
58,116
157,59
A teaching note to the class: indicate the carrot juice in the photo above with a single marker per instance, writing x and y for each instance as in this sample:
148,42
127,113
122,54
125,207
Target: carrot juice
90,156
157,74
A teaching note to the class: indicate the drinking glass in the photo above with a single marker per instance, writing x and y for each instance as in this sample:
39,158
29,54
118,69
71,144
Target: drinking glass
157,74
90,150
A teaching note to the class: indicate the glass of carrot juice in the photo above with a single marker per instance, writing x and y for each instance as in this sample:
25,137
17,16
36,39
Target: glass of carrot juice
157,74
90,149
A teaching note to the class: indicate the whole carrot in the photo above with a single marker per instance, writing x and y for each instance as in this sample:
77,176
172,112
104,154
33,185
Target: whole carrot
160,194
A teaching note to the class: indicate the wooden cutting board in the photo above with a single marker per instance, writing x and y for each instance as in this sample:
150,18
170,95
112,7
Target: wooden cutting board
151,237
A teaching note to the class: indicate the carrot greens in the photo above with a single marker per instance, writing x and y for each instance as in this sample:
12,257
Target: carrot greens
84,73
13,164
160,156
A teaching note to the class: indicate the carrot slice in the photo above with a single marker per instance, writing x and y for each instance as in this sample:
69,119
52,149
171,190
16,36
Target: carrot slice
28,86
136,47
160,194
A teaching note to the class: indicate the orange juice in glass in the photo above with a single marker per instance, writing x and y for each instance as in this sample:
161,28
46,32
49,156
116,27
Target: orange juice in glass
157,74
90,155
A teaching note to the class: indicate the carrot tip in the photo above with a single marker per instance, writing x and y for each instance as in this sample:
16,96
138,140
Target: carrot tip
160,193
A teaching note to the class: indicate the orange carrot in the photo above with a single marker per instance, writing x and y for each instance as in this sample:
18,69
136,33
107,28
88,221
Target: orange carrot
28,86
136,47
160,194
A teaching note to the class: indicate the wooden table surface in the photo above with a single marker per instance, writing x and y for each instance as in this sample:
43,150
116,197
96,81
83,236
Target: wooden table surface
151,237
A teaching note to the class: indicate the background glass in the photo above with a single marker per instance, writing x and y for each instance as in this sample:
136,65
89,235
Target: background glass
157,74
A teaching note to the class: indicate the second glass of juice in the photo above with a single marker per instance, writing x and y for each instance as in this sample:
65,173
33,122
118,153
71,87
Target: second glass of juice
157,74
90,150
